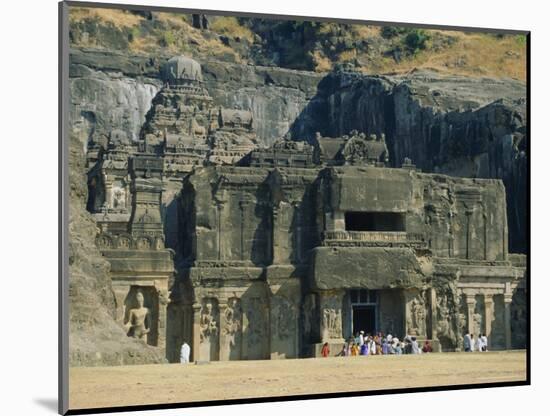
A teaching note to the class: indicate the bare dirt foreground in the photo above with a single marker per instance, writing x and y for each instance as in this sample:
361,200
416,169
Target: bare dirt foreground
175,383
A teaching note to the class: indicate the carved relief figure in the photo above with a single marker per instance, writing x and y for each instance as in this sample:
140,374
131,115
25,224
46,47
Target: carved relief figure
416,321
232,327
332,321
208,324
119,199
138,321
284,314
256,330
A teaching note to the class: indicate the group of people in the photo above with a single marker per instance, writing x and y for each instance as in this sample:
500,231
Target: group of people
378,344
477,344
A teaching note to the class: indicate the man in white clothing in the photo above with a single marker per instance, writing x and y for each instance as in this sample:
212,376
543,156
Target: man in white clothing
184,353
361,338
467,343
485,342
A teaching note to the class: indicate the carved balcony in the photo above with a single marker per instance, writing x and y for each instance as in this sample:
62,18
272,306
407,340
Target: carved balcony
373,238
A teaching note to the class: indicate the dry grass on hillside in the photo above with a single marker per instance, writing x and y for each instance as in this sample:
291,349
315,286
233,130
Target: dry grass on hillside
472,54
448,52
119,18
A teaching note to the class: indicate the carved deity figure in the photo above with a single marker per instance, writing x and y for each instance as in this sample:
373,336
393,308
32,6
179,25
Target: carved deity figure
119,199
332,321
208,324
417,319
233,324
138,323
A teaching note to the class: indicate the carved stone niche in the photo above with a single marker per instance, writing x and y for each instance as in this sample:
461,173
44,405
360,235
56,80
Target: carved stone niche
231,330
255,328
209,330
141,314
330,310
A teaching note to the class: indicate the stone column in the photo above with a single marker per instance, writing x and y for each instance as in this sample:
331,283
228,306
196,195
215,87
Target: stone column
108,193
223,347
163,303
219,210
275,253
195,348
471,303
120,295
469,213
243,206
244,329
432,328
489,308
508,319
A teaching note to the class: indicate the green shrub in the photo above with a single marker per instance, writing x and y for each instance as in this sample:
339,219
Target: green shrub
167,39
389,32
134,34
416,40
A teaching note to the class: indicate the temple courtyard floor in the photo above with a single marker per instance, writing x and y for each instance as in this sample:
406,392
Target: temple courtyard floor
92,387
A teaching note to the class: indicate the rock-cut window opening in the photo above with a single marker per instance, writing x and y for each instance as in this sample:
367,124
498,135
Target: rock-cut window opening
375,221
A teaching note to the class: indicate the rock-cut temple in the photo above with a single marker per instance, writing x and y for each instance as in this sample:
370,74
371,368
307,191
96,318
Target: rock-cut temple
251,252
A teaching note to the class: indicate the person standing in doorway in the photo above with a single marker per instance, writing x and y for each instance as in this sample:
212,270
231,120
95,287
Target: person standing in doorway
185,352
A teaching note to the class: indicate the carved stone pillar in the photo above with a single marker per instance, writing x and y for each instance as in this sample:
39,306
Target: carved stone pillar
244,208
489,308
120,295
219,210
163,304
432,328
195,348
275,252
469,213
224,345
471,303
508,319
109,194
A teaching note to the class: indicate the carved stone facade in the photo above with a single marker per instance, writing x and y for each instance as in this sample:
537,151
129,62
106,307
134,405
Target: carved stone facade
265,253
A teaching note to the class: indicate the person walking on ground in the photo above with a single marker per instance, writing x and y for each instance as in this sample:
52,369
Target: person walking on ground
467,343
185,352
325,351
485,342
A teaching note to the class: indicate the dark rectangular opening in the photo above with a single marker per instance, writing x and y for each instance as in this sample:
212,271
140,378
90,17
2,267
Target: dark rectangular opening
375,221
364,319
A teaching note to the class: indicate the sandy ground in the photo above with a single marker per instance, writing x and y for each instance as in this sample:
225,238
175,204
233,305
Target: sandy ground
174,383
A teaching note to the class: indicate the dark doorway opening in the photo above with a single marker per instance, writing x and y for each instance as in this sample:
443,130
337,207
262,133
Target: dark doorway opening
364,319
374,221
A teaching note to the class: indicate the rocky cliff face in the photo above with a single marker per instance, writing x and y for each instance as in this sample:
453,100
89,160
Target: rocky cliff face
459,126
94,336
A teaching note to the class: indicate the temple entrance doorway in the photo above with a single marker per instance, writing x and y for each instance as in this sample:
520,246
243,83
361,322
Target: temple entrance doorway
364,311
364,319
